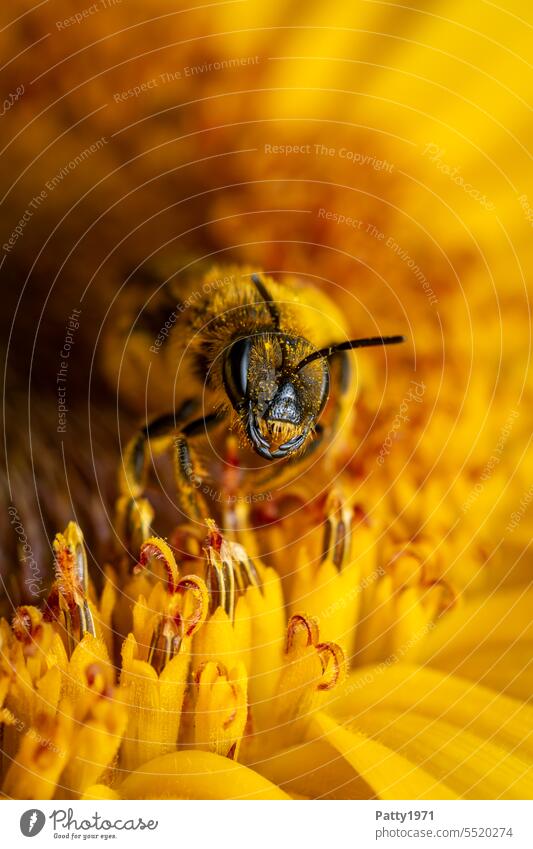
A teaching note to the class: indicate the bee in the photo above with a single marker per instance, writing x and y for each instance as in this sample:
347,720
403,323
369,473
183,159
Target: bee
233,352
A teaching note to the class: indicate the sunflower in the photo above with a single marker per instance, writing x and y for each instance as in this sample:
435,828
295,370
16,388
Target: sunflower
378,641
243,696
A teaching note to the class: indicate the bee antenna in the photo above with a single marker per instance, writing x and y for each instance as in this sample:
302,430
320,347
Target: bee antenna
368,342
267,298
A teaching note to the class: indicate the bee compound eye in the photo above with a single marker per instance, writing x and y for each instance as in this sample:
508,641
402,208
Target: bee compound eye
236,370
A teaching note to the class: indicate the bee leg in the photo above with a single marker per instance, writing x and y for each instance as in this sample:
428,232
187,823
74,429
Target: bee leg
189,483
134,513
156,435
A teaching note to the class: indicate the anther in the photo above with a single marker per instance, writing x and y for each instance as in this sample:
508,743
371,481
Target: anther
166,642
72,583
185,613
337,532
229,571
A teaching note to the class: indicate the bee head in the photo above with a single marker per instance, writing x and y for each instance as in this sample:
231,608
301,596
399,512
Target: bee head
276,394
279,384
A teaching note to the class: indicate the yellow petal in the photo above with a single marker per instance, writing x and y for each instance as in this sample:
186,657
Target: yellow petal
197,775
89,651
48,691
107,605
99,793
216,641
153,703
221,709
267,639
390,775
95,743
242,627
314,769
435,694
43,752
489,640
475,768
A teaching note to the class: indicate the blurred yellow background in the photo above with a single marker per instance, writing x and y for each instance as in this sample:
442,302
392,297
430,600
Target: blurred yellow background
377,150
